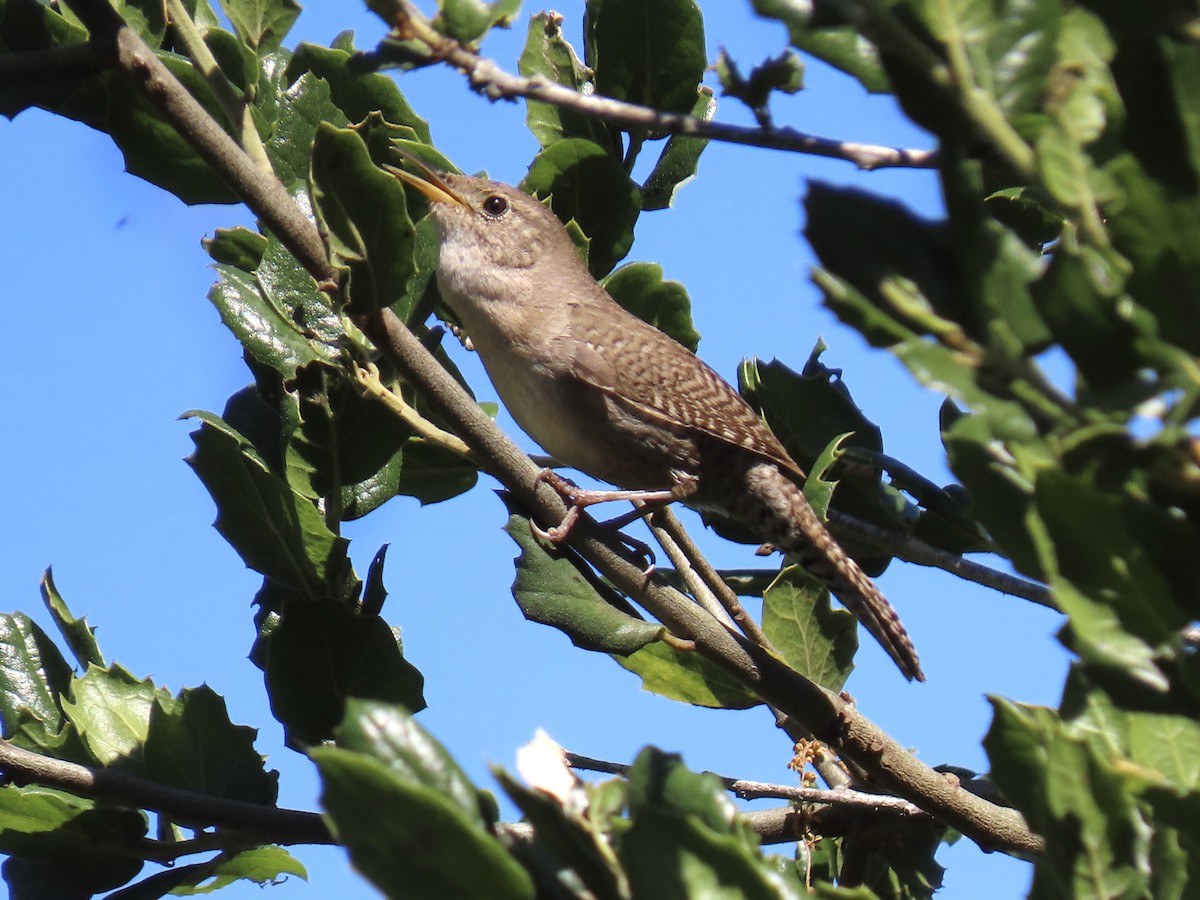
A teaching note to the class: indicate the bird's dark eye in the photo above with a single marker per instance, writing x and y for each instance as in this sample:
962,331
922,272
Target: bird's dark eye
495,205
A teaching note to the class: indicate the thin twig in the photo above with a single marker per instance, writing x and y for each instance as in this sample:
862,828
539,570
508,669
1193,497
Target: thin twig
911,549
666,521
754,790
232,101
269,824
489,79
698,586
372,386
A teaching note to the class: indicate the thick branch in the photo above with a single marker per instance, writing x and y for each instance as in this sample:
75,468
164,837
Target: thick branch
496,84
269,824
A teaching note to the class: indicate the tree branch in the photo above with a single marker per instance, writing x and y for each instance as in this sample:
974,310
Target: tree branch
830,718
493,82
915,550
269,824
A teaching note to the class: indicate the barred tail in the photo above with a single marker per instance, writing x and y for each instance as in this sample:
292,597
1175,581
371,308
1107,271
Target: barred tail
785,518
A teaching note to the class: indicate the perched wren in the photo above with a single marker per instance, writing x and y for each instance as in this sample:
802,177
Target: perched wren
608,394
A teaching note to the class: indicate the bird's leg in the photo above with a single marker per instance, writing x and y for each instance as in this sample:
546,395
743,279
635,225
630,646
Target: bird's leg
578,499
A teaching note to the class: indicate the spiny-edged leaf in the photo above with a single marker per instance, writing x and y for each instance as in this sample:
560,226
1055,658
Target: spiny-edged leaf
300,108
816,640
342,437
587,183
408,838
275,530
784,73
261,866
356,93
547,53
641,289
33,676
266,331
390,734
551,589
468,20
288,287
79,635
65,843
192,744
679,159
813,30
111,711
262,24
571,839
364,216
649,52
152,147
321,654
687,677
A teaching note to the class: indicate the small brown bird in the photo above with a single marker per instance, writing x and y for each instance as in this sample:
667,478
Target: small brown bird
608,394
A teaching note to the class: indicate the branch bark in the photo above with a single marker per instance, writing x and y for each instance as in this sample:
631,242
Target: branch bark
269,824
486,77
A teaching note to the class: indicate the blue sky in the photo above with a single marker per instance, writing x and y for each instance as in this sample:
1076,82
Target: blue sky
111,339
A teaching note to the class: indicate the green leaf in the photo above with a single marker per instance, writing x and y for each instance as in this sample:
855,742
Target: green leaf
261,24
238,247
468,20
262,866
816,640
66,842
685,840
321,654
191,744
679,160
409,838
687,677
111,711
364,216
79,635
392,736
586,183
153,148
33,676
266,330
573,840
274,529
296,109
649,52
548,54
831,40
784,73
552,588
641,289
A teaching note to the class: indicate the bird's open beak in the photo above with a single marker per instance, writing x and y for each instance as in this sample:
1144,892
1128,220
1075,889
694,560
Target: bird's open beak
428,182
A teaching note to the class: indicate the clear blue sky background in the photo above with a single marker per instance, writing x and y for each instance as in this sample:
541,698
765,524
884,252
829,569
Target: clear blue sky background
110,338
